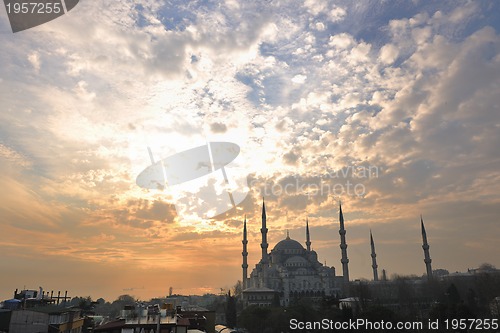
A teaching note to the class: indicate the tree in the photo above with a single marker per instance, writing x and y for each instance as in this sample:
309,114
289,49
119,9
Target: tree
238,289
114,308
231,311
487,267
255,319
362,292
84,303
127,299
405,296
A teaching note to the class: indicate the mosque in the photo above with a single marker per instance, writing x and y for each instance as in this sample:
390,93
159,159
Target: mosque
291,272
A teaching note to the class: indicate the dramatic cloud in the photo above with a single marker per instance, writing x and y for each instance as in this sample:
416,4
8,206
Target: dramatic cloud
390,107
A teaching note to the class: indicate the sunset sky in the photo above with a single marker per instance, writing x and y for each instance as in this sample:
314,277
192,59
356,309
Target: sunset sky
313,92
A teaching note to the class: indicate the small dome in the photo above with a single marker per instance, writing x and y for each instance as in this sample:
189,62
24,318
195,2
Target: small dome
288,244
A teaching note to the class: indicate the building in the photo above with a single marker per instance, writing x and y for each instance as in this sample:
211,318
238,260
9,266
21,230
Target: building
28,321
35,311
152,318
260,296
291,271
41,320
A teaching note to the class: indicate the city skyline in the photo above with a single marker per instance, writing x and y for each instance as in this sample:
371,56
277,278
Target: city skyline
390,107
419,271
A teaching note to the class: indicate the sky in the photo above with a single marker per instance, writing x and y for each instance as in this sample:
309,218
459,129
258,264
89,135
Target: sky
391,107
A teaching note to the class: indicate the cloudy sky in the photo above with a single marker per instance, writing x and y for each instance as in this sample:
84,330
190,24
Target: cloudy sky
392,107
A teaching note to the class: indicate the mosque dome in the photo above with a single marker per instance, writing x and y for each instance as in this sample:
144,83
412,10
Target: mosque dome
288,244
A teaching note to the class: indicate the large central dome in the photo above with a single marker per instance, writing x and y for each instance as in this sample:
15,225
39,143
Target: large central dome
288,244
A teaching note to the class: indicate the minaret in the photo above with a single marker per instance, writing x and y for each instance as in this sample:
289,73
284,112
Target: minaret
425,246
245,255
308,237
263,231
374,258
343,247
384,275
